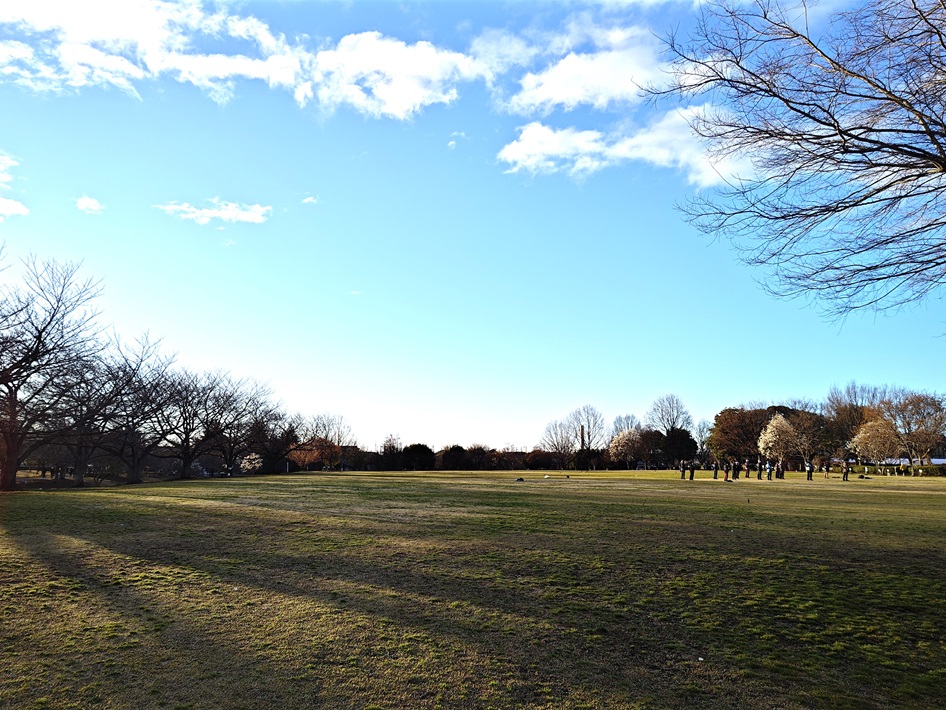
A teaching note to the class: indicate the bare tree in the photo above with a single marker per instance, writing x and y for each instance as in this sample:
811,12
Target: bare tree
701,434
876,440
96,388
240,404
336,437
588,428
666,413
846,133
329,434
48,334
919,418
559,440
139,426
809,433
846,409
192,415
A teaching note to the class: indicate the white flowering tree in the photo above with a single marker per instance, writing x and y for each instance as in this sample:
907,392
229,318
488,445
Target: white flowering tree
626,447
777,439
251,463
876,440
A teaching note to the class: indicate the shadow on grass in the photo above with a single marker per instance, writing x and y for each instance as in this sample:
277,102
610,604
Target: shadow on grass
469,599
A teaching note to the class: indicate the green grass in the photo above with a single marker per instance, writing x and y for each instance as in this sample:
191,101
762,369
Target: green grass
606,590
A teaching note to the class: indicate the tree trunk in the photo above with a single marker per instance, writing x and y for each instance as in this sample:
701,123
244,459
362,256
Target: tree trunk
81,460
10,450
136,471
186,463
8,474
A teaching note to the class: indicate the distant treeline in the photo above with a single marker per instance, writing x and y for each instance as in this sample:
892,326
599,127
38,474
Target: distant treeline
75,402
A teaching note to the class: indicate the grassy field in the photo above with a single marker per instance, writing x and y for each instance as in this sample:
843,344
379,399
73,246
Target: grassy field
470,590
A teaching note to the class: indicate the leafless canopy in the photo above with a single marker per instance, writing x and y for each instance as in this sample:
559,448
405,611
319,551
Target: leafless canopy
666,413
845,132
588,427
48,336
559,440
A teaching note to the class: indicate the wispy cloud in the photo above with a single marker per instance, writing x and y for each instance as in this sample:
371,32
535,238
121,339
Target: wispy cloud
120,43
594,59
6,166
56,46
89,205
8,207
667,142
221,210
310,200
498,51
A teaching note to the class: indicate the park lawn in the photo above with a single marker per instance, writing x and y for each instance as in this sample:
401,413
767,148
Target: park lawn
455,590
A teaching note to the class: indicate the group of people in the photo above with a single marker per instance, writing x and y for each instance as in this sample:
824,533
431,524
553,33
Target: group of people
736,469
732,471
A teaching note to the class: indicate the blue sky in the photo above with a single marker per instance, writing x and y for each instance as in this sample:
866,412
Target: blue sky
452,222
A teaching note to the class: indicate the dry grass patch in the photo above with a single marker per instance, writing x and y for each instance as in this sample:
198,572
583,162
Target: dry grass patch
470,590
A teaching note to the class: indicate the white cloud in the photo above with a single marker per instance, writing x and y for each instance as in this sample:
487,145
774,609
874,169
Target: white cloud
668,142
599,80
20,65
84,65
121,42
498,51
621,61
90,205
623,4
540,149
11,208
219,210
6,165
8,207
381,76
310,200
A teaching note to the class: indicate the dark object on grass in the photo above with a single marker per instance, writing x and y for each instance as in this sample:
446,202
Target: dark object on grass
520,480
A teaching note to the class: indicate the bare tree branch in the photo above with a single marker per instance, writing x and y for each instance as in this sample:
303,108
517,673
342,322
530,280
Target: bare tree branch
846,136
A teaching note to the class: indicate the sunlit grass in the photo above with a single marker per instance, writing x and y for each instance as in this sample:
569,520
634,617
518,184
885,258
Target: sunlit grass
607,590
